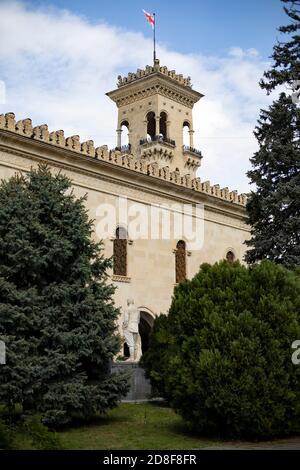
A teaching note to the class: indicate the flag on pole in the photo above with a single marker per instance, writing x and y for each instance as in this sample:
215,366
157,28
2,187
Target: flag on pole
150,18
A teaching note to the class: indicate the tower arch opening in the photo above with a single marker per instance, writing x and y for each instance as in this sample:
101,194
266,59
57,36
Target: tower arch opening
163,124
151,125
124,128
186,127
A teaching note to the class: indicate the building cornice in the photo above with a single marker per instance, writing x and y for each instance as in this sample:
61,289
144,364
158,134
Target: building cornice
157,83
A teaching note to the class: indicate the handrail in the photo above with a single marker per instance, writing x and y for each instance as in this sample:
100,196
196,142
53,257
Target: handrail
158,138
187,148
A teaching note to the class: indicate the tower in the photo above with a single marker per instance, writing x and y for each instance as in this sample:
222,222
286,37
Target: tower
155,105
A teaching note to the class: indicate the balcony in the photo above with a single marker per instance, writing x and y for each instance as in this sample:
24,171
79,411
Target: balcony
191,151
193,158
158,149
158,139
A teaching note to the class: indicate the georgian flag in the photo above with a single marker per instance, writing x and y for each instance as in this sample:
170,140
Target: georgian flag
150,18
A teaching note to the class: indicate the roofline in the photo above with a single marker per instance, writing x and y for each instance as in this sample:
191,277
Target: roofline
184,89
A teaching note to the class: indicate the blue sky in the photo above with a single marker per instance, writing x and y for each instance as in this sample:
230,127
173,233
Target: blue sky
62,56
206,26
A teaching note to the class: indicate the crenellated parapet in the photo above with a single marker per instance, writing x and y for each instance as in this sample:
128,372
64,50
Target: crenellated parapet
156,81
150,70
115,157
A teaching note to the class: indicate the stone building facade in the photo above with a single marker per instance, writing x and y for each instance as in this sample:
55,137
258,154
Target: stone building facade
154,171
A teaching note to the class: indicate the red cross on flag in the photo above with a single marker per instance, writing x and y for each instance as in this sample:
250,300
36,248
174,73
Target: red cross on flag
150,18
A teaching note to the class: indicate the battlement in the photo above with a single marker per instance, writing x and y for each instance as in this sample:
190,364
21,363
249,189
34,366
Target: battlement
115,157
149,70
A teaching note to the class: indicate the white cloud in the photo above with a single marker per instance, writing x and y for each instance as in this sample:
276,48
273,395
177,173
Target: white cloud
57,68
239,53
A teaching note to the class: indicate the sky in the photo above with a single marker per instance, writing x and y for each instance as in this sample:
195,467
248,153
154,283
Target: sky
58,58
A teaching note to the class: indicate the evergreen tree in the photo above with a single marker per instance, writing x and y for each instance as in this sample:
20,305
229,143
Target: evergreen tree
286,63
57,316
274,208
274,205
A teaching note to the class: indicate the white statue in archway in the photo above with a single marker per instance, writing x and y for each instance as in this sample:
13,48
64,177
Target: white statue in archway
131,331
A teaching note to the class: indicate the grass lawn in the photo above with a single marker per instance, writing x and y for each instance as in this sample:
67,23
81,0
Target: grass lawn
132,427
147,426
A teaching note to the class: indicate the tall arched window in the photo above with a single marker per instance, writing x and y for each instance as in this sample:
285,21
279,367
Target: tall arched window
186,133
120,252
230,256
180,261
163,124
151,125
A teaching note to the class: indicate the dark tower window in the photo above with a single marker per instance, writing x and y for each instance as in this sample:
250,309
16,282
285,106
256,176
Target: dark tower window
163,124
151,124
120,252
230,257
180,261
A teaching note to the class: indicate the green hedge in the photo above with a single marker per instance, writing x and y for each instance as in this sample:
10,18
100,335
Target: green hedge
222,356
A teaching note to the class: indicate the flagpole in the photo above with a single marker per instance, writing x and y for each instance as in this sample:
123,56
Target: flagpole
154,40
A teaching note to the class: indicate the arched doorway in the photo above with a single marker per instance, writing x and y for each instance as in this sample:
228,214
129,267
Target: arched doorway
145,327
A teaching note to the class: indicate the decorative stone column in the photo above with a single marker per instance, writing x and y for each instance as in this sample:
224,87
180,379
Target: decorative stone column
157,122
119,138
168,129
129,138
145,122
191,132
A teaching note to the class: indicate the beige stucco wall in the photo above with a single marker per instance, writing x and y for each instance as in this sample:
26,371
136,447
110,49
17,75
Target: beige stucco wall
151,263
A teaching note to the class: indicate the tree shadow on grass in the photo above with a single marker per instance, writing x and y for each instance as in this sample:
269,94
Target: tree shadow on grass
182,429
101,420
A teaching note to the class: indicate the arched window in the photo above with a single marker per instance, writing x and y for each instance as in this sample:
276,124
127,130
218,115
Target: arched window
151,125
186,133
120,252
125,133
180,261
230,256
163,124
